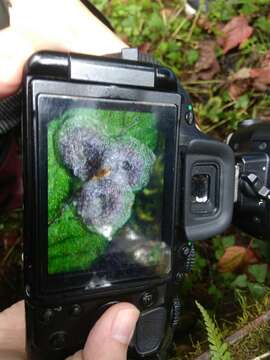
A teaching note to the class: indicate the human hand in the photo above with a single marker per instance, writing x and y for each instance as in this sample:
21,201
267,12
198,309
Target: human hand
60,25
108,340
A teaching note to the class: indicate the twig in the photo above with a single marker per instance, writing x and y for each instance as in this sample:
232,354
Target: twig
182,23
203,82
211,128
240,334
194,23
161,4
263,356
178,12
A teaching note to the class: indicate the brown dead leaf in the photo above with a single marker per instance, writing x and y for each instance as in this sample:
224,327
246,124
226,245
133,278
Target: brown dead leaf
238,88
232,259
207,66
146,47
242,74
167,13
266,60
204,23
239,83
256,78
235,32
261,78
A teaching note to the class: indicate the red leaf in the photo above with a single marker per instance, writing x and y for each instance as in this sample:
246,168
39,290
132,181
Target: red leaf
251,257
261,77
237,89
261,73
232,259
235,32
145,48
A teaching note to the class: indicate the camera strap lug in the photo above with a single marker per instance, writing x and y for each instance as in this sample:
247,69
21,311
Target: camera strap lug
236,182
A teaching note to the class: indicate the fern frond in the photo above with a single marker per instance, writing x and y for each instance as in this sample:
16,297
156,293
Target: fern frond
219,349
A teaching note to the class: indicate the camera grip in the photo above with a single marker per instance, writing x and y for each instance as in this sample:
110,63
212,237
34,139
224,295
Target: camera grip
54,333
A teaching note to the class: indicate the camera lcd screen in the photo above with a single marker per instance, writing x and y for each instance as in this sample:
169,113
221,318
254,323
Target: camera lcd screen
106,171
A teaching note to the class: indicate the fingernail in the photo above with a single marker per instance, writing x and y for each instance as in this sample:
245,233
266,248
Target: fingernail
124,324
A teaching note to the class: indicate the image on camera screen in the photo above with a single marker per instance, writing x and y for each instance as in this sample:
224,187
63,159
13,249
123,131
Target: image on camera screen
105,193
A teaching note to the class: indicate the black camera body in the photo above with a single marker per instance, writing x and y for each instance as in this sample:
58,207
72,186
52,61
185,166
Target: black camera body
118,183
251,144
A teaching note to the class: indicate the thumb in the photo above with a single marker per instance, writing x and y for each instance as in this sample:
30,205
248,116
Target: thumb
109,338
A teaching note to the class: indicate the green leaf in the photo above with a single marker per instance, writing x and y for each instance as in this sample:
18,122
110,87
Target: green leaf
228,241
142,126
263,24
242,102
221,10
192,56
249,7
259,272
156,22
257,290
264,248
215,292
71,245
213,108
200,262
240,281
221,243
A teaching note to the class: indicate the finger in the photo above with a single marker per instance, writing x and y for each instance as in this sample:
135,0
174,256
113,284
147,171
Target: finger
12,355
16,48
12,328
109,338
75,30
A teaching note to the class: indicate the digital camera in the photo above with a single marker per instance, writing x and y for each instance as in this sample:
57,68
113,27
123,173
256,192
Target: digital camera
119,183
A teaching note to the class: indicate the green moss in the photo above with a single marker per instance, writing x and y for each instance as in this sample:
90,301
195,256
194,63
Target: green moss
71,245
59,180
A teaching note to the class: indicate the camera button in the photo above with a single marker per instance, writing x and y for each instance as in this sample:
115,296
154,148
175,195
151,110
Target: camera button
58,340
148,299
189,117
76,310
47,316
150,331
